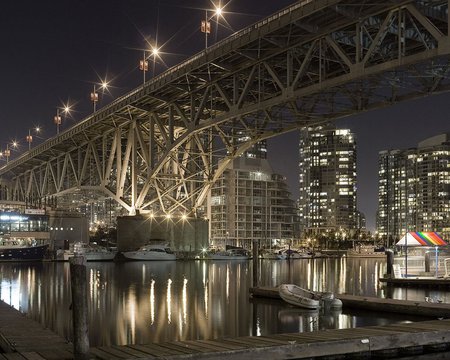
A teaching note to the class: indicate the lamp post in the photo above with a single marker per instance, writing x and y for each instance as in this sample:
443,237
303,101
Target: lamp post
205,26
94,94
143,65
7,152
57,120
29,137
94,98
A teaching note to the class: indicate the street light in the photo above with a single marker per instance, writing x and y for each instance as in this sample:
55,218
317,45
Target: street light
29,137
143,65
7,152
94,94
205,26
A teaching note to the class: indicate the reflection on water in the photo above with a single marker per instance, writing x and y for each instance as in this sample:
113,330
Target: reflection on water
142,302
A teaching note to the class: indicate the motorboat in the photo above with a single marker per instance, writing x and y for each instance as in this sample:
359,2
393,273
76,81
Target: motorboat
21,250
294,254
91,252
229,254
273,255
366,251
151,252
307,299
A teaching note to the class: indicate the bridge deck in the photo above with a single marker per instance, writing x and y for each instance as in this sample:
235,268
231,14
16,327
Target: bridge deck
23,338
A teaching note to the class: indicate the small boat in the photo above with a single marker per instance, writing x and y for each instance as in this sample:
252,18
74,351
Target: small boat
294,254
295,295
91,252
21,250
151,252
229,254
366,251
273,255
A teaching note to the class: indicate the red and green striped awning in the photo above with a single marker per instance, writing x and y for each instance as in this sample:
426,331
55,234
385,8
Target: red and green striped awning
420,238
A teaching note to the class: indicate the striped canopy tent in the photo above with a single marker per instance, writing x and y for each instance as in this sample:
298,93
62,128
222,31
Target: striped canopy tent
421,239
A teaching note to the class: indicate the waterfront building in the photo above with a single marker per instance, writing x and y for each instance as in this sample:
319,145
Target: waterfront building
251,202
414,189
327,181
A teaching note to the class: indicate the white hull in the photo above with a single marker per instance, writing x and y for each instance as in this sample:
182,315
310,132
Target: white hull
273,256
148,256
96,256
226,257
366,255
297,296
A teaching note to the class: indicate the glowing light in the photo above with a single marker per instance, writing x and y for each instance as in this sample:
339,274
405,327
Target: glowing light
168,216
184,216
104,85
219,11
155,51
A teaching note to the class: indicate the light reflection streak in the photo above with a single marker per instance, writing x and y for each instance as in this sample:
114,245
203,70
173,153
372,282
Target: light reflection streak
132,313
184,299
169,301
227,283
152,302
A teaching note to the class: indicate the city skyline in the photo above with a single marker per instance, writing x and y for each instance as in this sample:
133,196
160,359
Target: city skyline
56,53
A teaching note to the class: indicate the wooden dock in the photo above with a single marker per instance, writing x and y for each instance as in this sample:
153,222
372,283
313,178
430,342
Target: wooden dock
429,282
372,303
24,339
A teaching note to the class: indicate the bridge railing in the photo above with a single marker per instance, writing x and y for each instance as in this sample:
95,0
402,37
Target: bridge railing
153,83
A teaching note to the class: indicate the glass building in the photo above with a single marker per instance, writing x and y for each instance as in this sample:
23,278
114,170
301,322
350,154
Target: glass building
327,181
414,189
251,202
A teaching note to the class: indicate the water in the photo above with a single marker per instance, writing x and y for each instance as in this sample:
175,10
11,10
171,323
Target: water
143,302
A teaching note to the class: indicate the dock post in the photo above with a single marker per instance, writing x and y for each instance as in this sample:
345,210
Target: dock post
79,307
255,262
390,263
427,261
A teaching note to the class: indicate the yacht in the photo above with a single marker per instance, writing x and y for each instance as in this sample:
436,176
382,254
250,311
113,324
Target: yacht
91,252
22,250
229,254
151,252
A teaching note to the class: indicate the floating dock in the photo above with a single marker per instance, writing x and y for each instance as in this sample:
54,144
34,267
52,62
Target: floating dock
372,303
420,281
25,339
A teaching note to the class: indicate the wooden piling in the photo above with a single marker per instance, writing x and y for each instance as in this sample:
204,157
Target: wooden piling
255,262
79,307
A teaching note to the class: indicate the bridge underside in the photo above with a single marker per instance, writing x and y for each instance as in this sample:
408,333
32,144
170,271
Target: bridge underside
158,148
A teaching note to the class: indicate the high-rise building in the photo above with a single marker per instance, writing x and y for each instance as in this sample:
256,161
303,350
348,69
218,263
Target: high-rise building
327,181
251,202
414,189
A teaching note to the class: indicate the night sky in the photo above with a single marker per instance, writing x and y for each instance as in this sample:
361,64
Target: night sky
53,52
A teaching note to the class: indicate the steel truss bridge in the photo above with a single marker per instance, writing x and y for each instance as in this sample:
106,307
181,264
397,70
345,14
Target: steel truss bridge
161,147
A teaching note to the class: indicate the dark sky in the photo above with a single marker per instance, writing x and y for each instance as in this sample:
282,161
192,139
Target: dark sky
54,51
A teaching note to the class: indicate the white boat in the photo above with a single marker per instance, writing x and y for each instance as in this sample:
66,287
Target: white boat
294,254
230,254
151,252
295,295
273,255
91,252
312,300
366,251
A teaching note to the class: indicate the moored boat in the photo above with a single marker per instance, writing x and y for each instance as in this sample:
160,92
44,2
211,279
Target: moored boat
273,255
19,250
91,252
151,252
229,254
366,251
295,295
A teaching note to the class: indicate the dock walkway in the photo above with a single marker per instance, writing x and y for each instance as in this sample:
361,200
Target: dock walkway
373,303
27,340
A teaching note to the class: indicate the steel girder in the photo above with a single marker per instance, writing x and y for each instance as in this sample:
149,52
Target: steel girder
158,147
